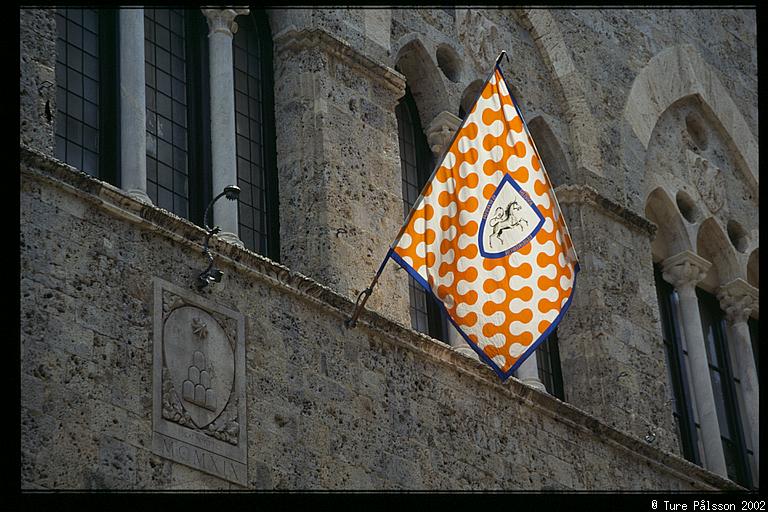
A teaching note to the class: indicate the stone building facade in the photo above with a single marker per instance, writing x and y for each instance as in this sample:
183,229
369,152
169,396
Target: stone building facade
133,376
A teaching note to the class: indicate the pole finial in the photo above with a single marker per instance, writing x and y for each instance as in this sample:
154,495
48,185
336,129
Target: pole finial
502,54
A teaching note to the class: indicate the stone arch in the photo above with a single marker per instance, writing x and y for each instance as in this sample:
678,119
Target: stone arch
582,126
424,78
671,235
676,73
550,150
753,268
449,62
713,245
470,94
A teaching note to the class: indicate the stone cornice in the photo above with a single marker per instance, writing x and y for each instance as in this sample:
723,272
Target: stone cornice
738,299
584,194
297,40
36,166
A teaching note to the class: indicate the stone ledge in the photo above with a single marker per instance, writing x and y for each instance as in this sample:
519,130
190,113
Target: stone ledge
584,194
300,39
35,165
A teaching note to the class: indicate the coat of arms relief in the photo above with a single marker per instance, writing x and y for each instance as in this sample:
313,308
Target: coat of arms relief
199,391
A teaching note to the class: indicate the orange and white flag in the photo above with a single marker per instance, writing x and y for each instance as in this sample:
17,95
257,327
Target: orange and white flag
487,237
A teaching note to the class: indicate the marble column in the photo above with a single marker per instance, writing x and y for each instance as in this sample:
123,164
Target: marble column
222,27
683,271
133,114
528,373
739,299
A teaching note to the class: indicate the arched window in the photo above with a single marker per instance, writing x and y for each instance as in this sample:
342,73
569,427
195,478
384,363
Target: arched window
85,90
417,162
551,152
724,386
548,363
676,356
254,127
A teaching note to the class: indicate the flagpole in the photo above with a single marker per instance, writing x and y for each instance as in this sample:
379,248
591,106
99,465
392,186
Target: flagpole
362,298
352,321
498,59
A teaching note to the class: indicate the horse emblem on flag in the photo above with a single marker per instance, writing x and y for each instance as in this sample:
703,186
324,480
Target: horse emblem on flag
514,221
487,237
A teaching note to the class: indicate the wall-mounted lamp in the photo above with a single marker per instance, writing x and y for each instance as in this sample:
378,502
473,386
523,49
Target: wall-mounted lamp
212,274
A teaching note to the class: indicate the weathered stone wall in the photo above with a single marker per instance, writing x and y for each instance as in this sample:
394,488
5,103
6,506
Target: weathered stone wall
338,165
377,407
609,48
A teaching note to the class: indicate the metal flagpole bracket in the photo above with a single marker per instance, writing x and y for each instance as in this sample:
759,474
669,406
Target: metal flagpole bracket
363,297
352,321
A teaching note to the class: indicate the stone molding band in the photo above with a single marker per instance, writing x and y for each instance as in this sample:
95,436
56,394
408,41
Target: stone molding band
584,194
297,40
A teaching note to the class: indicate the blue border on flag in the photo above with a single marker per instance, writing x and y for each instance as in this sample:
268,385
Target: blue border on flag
483,356
522,243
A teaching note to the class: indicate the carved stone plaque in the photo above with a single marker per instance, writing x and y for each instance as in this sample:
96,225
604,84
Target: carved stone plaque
198,409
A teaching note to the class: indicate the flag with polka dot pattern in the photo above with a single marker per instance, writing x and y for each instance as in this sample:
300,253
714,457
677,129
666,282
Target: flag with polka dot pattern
487,237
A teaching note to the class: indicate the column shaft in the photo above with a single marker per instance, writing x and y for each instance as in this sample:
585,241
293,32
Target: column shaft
741,348
133,138
702,384
528,373
223,147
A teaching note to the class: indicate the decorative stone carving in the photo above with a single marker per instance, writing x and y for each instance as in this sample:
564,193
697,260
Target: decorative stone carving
441,130
709,180
738,299
223,20
199,387
479,36
684,269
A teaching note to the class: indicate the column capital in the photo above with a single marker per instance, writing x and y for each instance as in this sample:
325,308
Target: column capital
684,269
441,130
223,20
738,299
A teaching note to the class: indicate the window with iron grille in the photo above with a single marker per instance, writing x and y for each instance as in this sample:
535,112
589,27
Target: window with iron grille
724,386
169,77
86,78
682,410
255,137
417,162
177,111
548,362
754,335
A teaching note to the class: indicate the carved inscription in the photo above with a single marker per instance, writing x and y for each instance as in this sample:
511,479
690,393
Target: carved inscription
198,380
201,459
